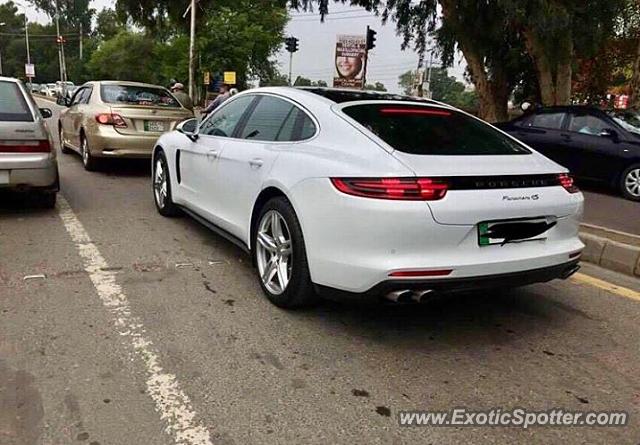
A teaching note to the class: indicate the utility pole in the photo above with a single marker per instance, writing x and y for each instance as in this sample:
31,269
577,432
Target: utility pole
192,44
26,33
1,24
428,95
81,42
59,41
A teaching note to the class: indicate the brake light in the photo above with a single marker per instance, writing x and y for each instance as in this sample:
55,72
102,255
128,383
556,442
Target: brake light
403,189
420,273
415,111
111,119
34,146
568,183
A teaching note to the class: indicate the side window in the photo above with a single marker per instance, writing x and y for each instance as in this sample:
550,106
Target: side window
546,120
225,119
86,94
77,97
268,119
587,124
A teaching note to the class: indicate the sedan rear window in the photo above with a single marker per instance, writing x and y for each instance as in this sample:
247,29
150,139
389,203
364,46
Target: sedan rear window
422,130
137,95
13,105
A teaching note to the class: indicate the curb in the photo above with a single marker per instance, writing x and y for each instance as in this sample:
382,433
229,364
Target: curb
611,249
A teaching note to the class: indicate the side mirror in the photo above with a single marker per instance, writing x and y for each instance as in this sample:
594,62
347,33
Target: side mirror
189,128
45,112
61,100
609,133
525,106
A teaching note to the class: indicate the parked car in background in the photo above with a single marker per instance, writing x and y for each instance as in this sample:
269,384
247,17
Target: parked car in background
114,119
48,89
27,155
591,143
61,87
363,195
35,87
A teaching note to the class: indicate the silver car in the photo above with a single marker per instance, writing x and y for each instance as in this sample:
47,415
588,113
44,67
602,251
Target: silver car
27,154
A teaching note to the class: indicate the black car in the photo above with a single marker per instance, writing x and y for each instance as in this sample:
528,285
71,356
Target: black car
591,143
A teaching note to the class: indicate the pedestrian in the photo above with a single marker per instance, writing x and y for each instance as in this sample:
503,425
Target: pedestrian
224,95
183,98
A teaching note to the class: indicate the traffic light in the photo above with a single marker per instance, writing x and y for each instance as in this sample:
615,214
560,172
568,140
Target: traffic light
371,38
291,44
61,39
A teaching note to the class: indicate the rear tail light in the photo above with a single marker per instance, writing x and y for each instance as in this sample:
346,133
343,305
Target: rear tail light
420,273
402,189
111,119
35,146
567,182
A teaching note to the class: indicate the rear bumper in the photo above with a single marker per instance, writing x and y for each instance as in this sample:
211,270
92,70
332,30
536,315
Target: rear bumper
456,285
106,142
42,173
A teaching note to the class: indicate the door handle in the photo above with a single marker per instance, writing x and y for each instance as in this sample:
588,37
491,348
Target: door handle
256,163
212,155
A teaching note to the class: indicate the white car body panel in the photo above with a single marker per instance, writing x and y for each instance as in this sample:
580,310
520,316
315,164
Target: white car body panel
353,243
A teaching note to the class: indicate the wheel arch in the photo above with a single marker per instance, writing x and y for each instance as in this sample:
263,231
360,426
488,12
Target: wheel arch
265,195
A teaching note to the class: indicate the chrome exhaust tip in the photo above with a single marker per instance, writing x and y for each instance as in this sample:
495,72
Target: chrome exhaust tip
419,295
399,296
568,272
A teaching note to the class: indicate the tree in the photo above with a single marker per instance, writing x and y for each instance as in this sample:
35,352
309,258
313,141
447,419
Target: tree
73,13
275,80
127,56
108,24
302,82
405,82
319,83
375,87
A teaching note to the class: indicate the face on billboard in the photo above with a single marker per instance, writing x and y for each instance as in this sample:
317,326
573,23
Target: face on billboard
348,67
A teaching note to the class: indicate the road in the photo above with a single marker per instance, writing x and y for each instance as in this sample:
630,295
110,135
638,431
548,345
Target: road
604,208
148,330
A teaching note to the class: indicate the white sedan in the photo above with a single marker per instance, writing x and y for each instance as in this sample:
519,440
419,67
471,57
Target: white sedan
363,195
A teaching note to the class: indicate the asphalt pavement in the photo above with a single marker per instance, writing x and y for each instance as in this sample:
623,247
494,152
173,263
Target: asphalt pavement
131,328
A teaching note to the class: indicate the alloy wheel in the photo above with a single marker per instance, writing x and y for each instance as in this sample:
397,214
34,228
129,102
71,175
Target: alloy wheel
274,252
160,183
632,182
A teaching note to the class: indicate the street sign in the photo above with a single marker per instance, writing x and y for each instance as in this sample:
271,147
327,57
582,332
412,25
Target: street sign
29,70
207,78
230,77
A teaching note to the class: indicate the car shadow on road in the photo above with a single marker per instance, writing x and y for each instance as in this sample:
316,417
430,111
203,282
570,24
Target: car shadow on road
21,203
125,167
491,317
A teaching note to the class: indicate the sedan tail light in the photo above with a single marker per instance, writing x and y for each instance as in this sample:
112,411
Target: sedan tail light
401,189
111,119
33,146
568,183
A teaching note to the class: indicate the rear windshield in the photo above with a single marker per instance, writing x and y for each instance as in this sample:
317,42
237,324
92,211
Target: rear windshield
13,105
135,95
423,130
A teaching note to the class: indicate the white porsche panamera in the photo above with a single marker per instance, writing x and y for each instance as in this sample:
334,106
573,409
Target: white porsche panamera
360,195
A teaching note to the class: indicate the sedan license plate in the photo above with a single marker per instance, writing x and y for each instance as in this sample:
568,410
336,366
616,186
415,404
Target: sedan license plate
156,126
4,177
514,230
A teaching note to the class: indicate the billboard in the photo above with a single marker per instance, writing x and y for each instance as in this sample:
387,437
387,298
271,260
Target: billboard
350,62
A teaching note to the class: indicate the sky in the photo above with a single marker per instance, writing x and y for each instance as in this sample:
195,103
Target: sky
315,58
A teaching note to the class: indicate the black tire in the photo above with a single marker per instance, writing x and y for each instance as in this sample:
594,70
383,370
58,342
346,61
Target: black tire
48,200
63,148
631,174
166,208
89,162
299,292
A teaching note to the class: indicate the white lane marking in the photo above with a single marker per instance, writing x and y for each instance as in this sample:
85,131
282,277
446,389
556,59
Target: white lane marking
171,402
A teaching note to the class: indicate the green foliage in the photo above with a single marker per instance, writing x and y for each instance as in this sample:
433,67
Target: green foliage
242,39
275,80
405,82
108,24
127,56
302,82
73,13
375,87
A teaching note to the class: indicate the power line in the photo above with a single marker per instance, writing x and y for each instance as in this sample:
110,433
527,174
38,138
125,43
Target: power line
317,14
